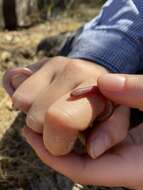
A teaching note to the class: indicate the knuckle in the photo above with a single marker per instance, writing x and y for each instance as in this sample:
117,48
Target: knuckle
59,60
34,123
20,102
57,116
73,67
29,121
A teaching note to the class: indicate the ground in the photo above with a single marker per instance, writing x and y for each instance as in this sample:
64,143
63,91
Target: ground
20,169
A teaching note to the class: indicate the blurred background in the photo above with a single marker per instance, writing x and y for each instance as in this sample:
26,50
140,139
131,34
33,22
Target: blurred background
29,30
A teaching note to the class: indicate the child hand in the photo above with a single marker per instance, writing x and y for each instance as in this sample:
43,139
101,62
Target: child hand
45,97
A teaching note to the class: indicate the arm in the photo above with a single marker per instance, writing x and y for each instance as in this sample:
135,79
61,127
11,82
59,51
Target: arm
114,38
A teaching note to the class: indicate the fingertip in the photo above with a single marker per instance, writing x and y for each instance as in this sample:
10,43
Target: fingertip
109,133
97,146
57,137
111,82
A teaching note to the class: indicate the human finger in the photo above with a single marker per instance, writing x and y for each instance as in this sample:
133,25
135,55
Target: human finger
109,133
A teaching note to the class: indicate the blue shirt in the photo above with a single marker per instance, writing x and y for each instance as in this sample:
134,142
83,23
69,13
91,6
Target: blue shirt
114,38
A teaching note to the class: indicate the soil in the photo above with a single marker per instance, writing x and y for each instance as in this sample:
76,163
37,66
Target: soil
20,169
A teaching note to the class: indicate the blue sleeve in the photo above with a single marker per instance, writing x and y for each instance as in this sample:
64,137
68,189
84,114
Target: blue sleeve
114,39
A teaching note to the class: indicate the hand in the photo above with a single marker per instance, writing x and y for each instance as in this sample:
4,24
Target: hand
123,89
45,97
122,165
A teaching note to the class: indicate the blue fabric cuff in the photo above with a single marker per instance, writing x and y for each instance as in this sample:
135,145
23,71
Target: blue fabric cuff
109,48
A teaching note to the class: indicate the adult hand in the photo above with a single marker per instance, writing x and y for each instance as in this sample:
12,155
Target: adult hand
123,89
45,97
122,165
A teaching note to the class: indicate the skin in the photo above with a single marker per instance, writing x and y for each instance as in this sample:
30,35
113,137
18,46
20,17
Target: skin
121,165
52,112
91,90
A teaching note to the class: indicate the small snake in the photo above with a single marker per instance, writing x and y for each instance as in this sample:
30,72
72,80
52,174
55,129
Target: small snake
11,74
17,72
90,91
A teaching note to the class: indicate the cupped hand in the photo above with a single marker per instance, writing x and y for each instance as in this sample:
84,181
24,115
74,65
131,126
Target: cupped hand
121,166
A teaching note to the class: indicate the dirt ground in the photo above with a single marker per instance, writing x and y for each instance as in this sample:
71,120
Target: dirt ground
20,169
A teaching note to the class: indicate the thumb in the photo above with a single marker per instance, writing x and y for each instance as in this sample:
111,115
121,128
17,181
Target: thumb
123,89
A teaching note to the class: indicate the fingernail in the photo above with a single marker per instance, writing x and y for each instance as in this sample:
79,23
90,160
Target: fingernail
112,82
98,147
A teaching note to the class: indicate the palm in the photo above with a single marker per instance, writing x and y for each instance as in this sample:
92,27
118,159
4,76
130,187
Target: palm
121,166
